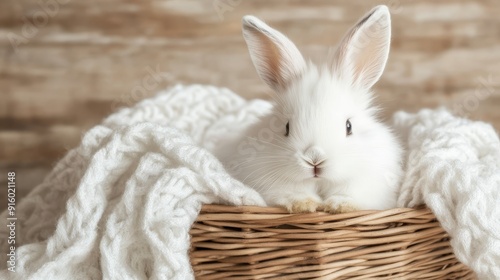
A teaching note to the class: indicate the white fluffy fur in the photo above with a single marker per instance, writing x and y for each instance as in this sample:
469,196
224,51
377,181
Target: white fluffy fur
359,171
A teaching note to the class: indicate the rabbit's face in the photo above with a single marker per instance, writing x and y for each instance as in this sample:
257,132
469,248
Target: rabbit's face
327,129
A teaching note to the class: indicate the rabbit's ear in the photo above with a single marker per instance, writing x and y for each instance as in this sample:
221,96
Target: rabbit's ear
362,53
275,57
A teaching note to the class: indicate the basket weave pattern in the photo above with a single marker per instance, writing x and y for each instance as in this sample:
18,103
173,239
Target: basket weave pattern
250,242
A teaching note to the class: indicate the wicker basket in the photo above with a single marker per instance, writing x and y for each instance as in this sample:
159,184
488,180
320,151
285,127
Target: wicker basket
268,243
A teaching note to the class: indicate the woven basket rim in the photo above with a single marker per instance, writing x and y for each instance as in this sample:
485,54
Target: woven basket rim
276,215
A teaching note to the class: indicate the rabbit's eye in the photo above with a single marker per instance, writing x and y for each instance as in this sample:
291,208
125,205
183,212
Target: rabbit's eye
348,128
287,128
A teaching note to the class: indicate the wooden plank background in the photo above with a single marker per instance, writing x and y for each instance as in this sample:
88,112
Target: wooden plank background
66,64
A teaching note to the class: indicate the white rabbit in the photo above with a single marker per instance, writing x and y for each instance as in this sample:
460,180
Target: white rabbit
321,146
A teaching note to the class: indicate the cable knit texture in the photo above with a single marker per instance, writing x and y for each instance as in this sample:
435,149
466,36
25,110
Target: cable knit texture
453,166
120,206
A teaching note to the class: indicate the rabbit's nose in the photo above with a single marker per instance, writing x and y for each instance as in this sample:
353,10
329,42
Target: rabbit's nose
315,154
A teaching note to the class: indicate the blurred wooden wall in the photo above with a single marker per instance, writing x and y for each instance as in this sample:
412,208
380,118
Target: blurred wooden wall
66,64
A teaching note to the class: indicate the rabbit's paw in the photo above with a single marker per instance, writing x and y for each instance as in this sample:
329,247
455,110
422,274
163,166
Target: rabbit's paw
303,206
339,204
294,200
